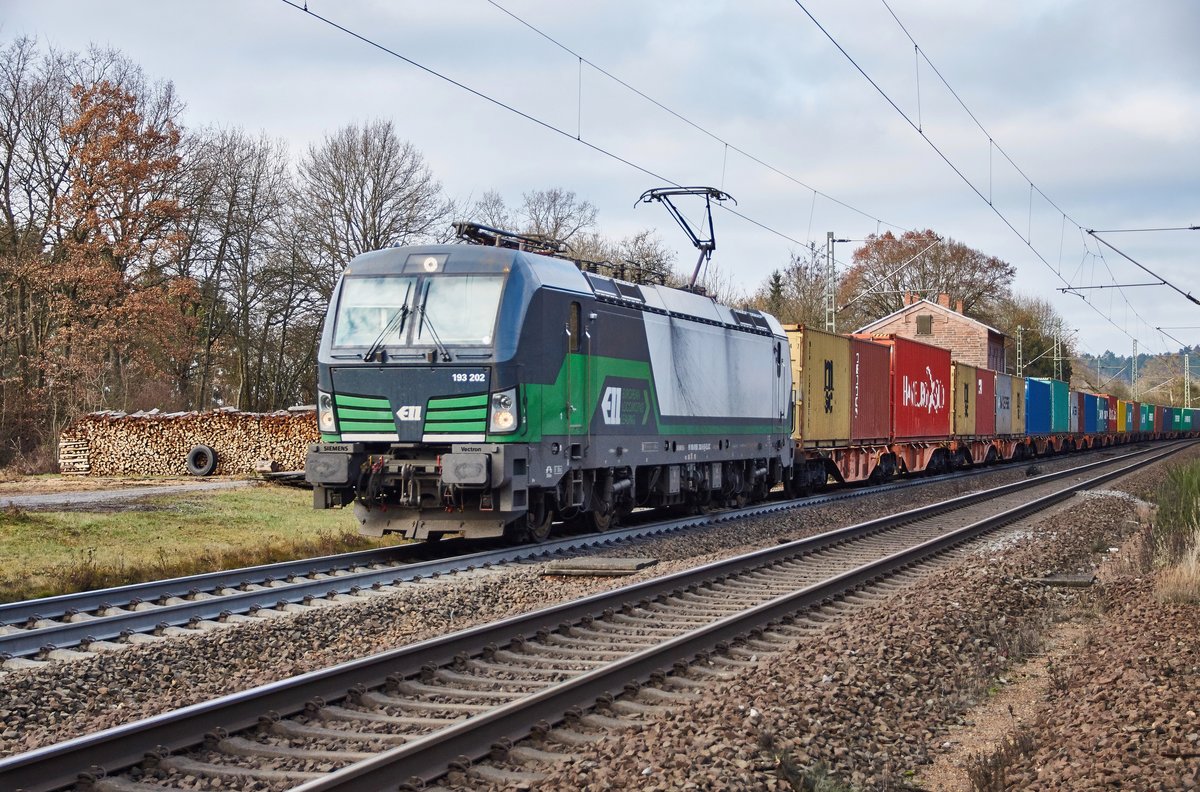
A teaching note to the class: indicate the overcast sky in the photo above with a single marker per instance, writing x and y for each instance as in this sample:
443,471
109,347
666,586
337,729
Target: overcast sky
1097,102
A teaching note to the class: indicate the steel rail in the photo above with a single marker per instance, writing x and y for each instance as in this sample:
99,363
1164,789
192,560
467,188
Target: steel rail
57,766
120,596
427,758
32,641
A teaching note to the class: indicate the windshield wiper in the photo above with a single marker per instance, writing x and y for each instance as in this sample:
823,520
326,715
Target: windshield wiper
396,322
426,322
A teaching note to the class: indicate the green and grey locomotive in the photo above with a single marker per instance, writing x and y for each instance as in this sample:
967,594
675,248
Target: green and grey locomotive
485,390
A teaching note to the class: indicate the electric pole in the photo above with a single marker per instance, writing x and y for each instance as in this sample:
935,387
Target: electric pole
1020,351
830,286
1058,352
1187,378
1134,371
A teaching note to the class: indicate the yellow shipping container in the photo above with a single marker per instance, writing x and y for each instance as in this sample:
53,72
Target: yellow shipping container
1122,414
821,377
962,383
1018,404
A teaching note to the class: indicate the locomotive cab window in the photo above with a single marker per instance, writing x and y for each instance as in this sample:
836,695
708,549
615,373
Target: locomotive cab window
450,310
458,309
371,307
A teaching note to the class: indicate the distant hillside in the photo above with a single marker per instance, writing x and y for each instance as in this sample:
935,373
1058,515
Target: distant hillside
1160,378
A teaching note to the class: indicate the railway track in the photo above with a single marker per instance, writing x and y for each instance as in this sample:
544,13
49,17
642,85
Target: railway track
414,712
62,627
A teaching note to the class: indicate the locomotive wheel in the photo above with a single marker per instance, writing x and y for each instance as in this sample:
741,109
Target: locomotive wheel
700,504
538,522
599,519
534,526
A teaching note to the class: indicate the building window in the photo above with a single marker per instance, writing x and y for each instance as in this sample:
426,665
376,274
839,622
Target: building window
925,324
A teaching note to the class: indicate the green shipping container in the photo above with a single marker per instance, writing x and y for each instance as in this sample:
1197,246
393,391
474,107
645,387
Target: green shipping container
1146,424
1177,419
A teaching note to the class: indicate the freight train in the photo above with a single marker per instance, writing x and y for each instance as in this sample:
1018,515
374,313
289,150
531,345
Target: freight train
487,390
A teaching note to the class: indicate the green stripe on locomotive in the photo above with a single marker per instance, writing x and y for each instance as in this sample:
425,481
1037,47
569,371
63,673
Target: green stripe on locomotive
457,414
544,405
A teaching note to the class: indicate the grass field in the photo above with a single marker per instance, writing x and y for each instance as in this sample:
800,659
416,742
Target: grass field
44,553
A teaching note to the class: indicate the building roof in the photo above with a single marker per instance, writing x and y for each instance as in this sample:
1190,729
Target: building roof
923,305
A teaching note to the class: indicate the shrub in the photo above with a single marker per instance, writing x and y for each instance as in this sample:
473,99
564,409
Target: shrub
1178,520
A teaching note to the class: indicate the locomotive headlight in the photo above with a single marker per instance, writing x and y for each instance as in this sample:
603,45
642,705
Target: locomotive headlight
325,417
504,412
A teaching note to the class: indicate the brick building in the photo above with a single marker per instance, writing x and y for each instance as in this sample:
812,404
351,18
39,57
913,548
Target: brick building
969,340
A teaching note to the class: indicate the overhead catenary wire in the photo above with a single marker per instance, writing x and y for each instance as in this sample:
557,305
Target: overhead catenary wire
539,121
577,136
950,163
695,125
1133,230
1095,235
1121,290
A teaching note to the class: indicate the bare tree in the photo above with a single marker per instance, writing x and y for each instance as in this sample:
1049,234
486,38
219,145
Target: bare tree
490,210
886,267
363,189
556,214
795,294
646,249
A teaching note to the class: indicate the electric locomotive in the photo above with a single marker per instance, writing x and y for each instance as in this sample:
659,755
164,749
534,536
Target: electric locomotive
490,390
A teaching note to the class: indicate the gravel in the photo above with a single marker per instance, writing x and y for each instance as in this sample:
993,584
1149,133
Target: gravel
873,701
44,705
1123,712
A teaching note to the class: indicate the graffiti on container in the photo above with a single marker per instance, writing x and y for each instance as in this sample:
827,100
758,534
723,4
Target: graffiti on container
928,394
828,386
857,360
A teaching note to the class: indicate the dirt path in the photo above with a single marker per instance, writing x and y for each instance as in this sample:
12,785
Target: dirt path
58,500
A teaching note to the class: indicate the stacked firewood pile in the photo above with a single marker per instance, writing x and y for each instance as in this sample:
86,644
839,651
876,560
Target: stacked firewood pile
162,444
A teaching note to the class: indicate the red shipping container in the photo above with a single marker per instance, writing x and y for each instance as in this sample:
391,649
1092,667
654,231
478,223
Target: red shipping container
1112,414
1135,418
920,389
985,418
1160,424
870,402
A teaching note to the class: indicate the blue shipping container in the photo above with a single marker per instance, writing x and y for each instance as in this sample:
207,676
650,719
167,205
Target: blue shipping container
1102,413
1037,406
1090,413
